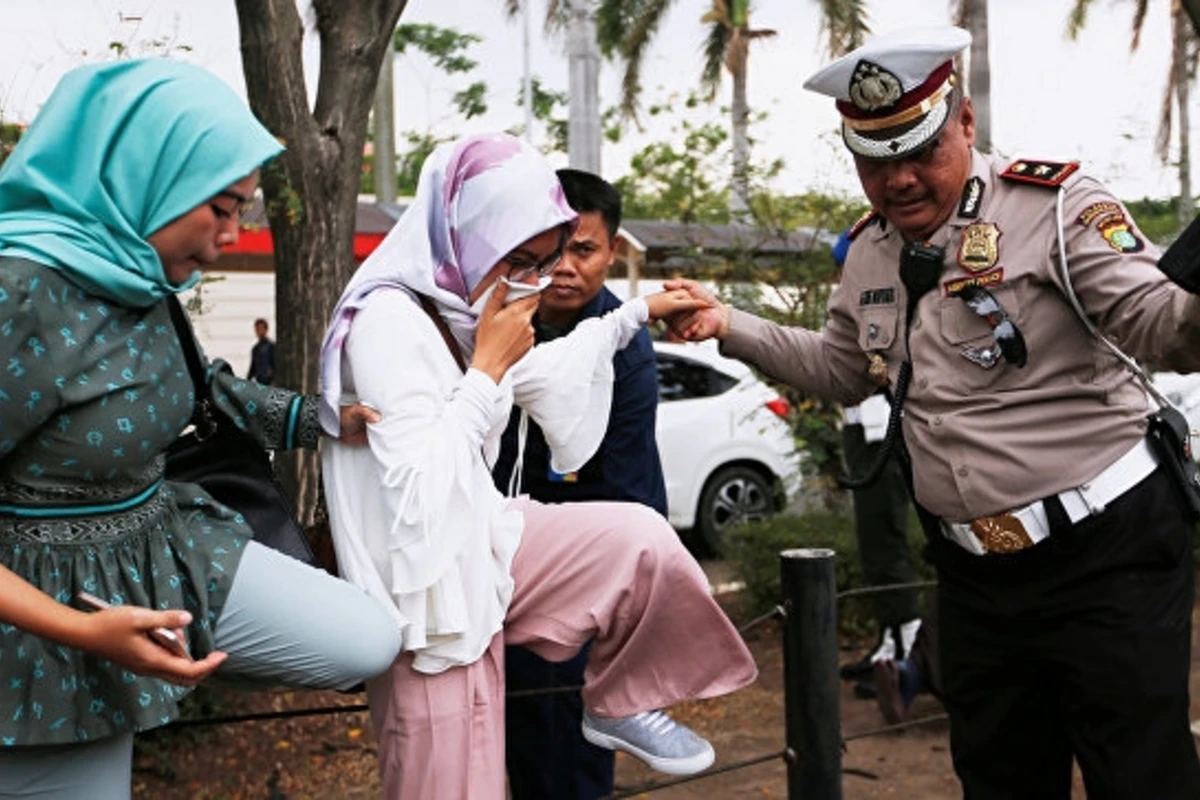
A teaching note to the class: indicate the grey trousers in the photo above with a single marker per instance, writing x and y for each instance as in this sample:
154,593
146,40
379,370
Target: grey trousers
284,623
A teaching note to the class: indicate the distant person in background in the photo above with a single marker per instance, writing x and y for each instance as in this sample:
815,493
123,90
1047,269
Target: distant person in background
547,756
262,356
880,525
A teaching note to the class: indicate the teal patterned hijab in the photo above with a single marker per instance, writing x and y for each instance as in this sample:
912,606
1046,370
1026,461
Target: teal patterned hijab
117,152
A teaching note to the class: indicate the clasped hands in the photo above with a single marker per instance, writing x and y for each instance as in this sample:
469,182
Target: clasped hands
706,318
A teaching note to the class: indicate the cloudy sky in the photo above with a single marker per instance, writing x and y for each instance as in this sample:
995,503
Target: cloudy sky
1090,100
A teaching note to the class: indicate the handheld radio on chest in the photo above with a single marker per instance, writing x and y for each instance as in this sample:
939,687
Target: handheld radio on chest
920,268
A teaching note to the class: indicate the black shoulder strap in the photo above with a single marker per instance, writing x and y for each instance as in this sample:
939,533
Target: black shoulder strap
187,342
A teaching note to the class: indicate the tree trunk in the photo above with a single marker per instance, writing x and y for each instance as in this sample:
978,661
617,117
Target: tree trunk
737,60
980,83
1183,35
312,188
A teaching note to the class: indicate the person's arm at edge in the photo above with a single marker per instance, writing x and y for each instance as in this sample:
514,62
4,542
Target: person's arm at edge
829,364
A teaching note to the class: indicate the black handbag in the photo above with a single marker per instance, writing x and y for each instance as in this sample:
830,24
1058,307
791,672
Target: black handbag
229,464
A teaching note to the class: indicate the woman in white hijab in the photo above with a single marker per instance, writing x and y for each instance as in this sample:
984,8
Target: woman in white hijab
424,333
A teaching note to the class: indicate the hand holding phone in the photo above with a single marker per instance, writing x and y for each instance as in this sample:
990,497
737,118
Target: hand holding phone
164,637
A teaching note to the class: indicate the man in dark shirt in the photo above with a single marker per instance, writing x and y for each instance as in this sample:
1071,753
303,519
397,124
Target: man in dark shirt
262,356
548,758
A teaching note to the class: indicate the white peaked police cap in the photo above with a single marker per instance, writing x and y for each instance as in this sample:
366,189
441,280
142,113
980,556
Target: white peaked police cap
893,91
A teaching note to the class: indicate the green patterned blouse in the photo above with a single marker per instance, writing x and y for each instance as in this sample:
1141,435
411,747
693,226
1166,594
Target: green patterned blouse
91,396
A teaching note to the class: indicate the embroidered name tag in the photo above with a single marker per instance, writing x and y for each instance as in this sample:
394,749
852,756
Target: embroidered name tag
986,279
883,296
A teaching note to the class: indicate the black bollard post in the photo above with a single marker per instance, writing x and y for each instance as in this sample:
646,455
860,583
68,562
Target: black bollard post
811,697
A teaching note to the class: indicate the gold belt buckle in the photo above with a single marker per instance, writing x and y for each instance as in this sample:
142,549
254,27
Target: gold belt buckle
1002,533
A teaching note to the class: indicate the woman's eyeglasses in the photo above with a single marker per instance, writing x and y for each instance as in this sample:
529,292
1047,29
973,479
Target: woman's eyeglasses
1004,330
521,267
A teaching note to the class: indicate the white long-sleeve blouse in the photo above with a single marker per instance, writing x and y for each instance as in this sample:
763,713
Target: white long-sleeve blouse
417,521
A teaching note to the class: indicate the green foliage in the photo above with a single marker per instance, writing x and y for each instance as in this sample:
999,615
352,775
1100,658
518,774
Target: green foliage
420,145
544,104
445,46
1157,219
472,101
10,134
754,549
685,181
283,200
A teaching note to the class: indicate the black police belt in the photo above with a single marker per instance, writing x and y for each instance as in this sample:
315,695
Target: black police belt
1026,526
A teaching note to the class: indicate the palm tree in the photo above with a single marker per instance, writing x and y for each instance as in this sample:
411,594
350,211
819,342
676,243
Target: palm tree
728,45
973,15
627,27
844,25
1180,75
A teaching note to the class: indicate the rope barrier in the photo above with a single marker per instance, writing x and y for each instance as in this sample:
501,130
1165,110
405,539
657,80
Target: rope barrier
882,588
899,726
235,719
778,612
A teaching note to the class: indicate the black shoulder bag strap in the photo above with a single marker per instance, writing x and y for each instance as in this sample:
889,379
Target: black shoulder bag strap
201,414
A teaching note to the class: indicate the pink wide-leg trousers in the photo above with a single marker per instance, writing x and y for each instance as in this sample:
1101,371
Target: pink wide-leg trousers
614,573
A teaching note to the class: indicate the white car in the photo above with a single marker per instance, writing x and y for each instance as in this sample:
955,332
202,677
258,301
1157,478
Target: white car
727,450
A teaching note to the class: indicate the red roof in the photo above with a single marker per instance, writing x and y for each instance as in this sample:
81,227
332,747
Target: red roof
372,221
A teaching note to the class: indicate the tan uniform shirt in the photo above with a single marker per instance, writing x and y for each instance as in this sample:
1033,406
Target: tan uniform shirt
987,440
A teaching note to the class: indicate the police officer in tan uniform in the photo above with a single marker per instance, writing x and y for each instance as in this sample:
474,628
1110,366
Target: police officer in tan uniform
1063,551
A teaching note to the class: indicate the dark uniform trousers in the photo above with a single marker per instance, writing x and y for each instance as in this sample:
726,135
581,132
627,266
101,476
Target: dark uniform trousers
881,527
546,753
1078,647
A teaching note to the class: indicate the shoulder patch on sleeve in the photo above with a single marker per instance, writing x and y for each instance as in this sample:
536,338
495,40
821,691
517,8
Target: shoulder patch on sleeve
1039,173
864,221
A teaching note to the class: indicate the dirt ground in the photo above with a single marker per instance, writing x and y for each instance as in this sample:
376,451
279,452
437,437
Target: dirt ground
332,757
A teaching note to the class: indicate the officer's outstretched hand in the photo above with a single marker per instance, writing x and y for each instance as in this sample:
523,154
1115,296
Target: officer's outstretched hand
707,322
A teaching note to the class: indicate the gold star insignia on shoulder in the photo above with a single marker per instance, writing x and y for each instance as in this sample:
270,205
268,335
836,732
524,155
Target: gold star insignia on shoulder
1040,173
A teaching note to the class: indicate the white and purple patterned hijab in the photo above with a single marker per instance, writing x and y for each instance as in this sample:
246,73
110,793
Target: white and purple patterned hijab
477,199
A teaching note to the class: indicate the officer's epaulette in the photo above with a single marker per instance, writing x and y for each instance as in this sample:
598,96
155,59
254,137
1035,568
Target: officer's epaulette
1039,173
863,221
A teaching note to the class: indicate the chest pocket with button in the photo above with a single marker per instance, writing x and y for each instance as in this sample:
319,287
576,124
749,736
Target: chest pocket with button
963,330
877,328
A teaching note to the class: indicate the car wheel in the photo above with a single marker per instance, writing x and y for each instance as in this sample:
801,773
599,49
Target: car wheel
731,496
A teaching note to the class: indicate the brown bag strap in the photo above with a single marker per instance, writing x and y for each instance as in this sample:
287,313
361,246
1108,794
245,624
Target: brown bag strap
447,337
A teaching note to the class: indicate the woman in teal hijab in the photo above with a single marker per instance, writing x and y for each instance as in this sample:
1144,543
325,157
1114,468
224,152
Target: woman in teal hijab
130,181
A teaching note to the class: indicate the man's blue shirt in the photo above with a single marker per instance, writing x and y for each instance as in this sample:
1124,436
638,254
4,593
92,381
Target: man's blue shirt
626,466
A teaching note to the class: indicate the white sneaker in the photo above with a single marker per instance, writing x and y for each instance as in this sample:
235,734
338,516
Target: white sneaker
886,651
653,737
